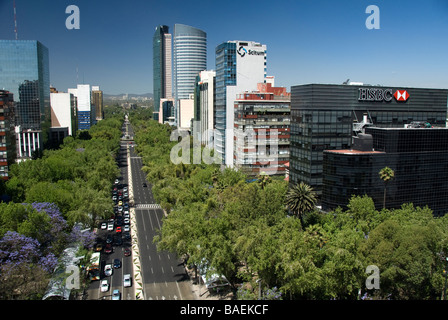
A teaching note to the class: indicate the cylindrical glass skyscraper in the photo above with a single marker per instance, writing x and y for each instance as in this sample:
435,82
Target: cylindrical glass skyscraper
190,58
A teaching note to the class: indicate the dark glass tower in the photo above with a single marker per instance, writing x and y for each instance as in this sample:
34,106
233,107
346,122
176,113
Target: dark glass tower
24,71
162,75
324,117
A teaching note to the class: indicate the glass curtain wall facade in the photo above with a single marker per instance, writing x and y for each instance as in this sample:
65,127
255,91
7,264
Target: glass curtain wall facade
419,158
323,116
162,74
225,76
24,71
189,58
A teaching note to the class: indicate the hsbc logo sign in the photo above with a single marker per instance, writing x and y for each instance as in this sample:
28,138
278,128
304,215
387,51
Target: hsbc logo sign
377,94
401,95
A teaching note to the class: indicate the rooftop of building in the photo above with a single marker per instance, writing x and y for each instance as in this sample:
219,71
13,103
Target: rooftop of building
354,152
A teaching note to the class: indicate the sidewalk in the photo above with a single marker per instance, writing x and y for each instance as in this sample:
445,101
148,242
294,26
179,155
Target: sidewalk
202,293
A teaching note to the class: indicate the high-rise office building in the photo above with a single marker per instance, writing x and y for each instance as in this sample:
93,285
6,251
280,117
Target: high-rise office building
24,71
240,66
162,67
418,156
82,94
204,104
189,58
7,133
327,116
97,101
64,111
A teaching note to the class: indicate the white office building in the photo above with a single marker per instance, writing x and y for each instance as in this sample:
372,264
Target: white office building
240,66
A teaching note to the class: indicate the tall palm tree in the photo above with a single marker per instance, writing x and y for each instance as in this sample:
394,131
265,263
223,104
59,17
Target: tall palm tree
301,199
387,175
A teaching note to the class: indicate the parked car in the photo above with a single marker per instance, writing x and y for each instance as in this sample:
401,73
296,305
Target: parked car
104,226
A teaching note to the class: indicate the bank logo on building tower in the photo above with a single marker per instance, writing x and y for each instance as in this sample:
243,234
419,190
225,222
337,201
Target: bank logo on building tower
401,95
380,94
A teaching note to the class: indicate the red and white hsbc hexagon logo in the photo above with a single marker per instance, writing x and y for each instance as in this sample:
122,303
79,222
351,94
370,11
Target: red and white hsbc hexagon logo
401,95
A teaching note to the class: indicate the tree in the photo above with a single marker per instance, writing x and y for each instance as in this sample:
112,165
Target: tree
387,175
301,199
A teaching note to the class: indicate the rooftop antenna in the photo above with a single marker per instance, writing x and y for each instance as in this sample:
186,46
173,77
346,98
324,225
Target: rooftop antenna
15,20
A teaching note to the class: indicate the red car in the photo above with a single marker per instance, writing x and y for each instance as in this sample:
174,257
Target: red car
127,252
118,229
108,248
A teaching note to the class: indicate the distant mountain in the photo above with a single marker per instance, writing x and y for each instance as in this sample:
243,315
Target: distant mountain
123,96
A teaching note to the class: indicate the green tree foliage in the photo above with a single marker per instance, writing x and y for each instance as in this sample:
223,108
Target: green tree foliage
77,177
219,218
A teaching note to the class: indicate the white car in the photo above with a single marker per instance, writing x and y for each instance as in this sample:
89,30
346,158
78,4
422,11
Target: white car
127,280
110,226
116,295
126,228
104,226
126,220
104,286
108,270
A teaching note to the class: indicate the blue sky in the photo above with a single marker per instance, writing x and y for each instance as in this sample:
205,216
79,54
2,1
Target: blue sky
320,41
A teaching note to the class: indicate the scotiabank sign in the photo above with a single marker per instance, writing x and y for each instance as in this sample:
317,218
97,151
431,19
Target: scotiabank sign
378,94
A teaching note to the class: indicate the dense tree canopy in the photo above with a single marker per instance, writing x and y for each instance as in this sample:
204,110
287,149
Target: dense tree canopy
52,196
242,229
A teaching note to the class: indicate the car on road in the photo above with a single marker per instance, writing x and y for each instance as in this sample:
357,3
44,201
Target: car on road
98,247
127,252
108,248
116,295
108,270
104,286
127,280
145,185
117,263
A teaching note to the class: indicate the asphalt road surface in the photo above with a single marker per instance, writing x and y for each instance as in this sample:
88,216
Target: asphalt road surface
163,274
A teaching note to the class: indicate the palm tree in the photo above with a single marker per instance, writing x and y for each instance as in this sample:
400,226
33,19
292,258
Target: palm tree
387,175
301,199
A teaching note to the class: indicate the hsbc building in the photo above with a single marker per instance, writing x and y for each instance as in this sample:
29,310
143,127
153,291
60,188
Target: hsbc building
327,116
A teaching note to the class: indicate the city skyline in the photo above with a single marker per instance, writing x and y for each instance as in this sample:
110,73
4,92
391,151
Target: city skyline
307,41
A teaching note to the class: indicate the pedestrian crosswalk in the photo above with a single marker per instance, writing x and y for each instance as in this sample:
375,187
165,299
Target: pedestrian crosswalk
148,206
